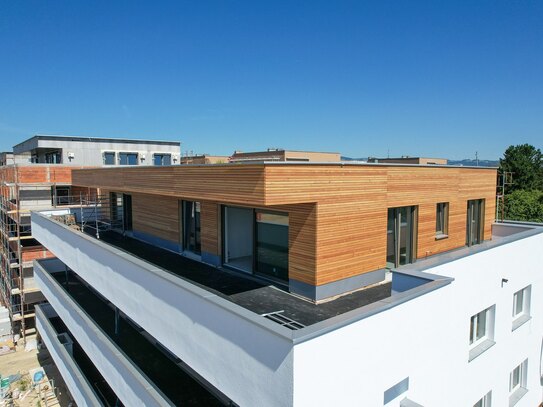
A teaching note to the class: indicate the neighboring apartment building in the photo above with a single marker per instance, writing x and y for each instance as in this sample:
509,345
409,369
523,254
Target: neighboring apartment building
277,154
285,284
38,175
409,160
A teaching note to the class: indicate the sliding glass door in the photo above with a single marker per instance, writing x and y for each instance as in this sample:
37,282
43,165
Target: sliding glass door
256,241
238,242
190,215
401,236
272,245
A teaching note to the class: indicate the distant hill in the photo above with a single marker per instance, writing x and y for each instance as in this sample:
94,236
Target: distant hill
473,163
465,162
343,158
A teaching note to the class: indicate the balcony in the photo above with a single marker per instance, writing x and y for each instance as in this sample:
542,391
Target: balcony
136,351
80,388
212,319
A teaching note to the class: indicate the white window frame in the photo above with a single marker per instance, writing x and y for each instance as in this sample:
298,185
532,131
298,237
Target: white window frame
478,345
138,157
525,302
517,390
474,327
486,401
162,154
109,152
521,312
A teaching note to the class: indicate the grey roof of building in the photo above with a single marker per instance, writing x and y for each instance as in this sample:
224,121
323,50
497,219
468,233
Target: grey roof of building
98,140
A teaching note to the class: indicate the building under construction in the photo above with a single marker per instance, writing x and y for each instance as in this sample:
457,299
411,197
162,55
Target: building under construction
37,175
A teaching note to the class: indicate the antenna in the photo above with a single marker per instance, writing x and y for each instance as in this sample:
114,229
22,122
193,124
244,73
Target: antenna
477,158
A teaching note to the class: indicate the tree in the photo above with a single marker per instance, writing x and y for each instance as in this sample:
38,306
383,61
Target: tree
524,206
526,163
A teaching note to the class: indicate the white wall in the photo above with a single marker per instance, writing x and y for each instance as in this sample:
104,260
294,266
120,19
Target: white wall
80,388
427,340
128,383
248,362
91,153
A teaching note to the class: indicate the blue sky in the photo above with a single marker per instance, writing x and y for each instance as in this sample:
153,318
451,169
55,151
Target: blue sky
362,78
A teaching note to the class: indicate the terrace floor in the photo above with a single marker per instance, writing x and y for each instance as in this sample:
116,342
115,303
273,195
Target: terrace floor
250,293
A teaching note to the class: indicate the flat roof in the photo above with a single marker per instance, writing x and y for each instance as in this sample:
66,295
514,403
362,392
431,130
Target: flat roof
97,140
281,150
294,163
333,163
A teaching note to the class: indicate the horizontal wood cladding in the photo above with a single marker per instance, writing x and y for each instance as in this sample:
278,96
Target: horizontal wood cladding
242,184
210,227
337,214
302,236
159,218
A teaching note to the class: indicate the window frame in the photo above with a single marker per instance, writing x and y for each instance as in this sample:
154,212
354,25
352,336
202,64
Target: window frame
127,154
442,220
474,327
517,391
106,153
480,344
485,401
162,156
523,315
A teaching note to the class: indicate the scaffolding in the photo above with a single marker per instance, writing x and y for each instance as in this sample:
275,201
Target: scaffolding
18,248
504,180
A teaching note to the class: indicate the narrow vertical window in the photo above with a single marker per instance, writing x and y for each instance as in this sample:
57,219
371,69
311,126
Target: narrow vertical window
485,401
521,306
481,332
517,383
442,220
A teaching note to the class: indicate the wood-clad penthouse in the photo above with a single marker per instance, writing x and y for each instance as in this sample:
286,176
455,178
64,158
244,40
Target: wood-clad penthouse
320,229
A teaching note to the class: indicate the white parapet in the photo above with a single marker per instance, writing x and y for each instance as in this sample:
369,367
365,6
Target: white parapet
79,387
124,378
246,357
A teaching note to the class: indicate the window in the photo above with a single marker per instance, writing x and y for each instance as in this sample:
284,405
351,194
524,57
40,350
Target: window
442,220
521,306
61,195
54,157
481,332
109,158
401,236
128,158
475,222
485,401
517,383
162,159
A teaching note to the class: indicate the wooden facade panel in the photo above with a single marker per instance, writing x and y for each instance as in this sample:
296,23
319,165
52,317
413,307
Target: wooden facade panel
302,234
157,217
337,214
351,240
229,183
210,227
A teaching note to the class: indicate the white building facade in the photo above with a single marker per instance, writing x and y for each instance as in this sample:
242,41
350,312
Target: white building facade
463,328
